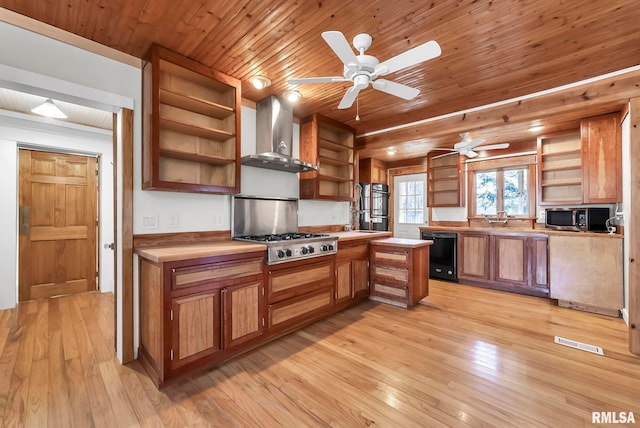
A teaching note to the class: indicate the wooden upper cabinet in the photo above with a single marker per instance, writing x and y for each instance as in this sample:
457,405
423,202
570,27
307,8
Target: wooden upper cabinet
191,126
582,166
445,181
373,171
560,169
330,145
601,159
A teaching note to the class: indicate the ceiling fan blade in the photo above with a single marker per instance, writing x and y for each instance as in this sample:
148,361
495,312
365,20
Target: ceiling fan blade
328,79
493,146
453,152
394,88
409,58
474,143
470,154
349,97
339,44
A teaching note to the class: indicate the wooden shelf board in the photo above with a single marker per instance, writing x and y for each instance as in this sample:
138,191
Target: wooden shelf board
563,153
566,182
196,157
331,161
444,191
326,144
195,104
562,168
209,133
448,177
334,178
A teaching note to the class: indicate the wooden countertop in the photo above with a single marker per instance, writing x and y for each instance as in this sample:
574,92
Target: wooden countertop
194,251
512,231
402,242
354,235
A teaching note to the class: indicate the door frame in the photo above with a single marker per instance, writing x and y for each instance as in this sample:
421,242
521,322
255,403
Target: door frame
392,173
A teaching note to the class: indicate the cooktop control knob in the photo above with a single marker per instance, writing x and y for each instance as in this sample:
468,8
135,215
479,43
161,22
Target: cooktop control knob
304,250
330,247
288,252
280,254
311,249
324,248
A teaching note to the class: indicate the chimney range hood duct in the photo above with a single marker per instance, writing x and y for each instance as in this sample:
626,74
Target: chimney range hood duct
274,137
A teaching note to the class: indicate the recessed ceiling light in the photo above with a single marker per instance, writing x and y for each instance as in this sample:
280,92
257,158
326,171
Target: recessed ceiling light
536,128
391,151
260,82
49,109
292,96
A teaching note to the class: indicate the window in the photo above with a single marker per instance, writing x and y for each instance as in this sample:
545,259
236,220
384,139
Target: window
505,188
411,202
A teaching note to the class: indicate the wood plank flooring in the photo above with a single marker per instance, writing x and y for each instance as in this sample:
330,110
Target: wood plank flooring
465,356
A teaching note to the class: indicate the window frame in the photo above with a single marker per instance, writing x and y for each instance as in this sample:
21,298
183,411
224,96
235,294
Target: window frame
500,165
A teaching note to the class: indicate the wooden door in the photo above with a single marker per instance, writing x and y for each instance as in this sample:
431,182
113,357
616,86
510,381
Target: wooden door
473,255
57,243
343,281
539,263
360,273
243,313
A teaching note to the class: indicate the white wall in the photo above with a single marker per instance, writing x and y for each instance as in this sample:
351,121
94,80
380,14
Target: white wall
15,133
8,224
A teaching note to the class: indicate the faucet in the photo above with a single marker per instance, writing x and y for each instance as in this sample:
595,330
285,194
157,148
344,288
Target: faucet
498,219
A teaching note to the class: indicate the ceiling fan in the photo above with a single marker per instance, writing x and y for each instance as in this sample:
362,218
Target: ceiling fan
363,69
467,144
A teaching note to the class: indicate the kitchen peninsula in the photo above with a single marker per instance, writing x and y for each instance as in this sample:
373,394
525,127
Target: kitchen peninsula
204,303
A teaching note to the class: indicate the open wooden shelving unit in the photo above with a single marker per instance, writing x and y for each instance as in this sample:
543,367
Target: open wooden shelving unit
330,145
445,181
191,126
560,168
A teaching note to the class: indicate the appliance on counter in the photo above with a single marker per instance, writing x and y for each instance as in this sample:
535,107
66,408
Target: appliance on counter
274,138
274,222
577,219
443,255
374,206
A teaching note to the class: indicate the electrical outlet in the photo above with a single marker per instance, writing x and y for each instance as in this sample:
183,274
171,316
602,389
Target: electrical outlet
173,221
541,215
219,220
150,222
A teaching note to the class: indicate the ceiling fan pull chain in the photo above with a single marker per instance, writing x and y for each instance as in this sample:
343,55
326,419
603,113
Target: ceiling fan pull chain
358,108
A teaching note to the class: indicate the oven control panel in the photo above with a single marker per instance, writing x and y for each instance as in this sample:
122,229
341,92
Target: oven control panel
285,251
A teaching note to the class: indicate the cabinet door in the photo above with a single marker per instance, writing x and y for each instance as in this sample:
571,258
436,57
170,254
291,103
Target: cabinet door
602,159
343,282
511,258
243,312
540,263
473,256
360,276
195,327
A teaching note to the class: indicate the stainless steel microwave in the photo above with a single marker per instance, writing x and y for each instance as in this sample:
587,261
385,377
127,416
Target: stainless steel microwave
577,219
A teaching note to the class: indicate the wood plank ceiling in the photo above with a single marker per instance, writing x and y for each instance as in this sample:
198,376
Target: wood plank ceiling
491,51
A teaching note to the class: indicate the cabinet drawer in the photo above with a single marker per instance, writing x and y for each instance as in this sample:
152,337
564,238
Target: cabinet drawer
390,292
396,259
391,275
291,282
300,309
190,276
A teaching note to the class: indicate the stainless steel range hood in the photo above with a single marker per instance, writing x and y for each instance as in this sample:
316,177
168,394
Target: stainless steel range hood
274,138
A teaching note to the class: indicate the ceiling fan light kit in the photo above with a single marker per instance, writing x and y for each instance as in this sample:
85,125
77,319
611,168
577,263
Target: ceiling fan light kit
363,70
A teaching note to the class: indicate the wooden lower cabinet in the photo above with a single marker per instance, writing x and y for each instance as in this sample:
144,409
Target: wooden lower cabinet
399,271
586,272
197,313
507,261
352,274
299,292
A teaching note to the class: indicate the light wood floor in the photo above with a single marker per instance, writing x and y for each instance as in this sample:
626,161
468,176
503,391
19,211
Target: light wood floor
466,357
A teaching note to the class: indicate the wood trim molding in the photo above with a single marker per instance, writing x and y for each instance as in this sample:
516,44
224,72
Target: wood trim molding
157,239
633,228
329,228
55,33
125,141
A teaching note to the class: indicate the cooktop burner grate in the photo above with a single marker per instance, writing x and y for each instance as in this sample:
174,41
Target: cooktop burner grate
282,237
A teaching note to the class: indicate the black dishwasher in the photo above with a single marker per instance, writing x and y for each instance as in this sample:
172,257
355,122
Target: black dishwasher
443,255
